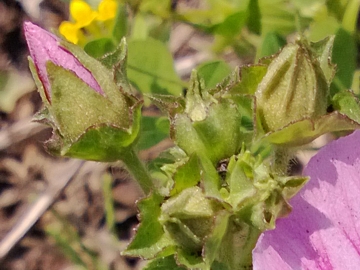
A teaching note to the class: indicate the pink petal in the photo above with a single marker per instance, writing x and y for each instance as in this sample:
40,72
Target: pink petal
323,231
43,47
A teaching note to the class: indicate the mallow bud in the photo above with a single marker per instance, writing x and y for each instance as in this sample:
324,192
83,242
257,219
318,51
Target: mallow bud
92,118
293,88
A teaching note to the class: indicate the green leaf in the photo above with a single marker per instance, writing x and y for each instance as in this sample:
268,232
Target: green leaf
213,72
337,8
232,25
347,103
150,239
140,27
163,10
120,24
99,47
165,263
322,27
272,42
308,8
153,131
254,19
151,68
277,16
344,57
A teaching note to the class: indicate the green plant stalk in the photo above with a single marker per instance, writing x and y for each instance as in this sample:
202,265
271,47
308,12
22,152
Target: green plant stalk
246,252
138,171
109,202
282,157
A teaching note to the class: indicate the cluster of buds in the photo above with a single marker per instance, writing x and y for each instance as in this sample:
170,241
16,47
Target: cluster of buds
220,195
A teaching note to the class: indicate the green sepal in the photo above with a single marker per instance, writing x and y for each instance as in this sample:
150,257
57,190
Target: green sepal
272,199
186,175
116,61
38,83
323,52
102,143
306,130
164,263
249,79
168,103
217,136
76,106
237,242
150,240
347,103
214,241
102,75
187,217
191,260
165,166
255,193
240,179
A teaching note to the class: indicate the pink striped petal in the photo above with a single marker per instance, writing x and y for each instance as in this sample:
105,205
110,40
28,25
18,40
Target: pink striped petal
323,230
43,47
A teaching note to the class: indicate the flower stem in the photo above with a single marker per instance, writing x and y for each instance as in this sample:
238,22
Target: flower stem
138,171
281,160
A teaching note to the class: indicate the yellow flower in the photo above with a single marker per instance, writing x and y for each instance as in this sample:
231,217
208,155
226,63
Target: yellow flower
70,31
107,10
82,13
83,16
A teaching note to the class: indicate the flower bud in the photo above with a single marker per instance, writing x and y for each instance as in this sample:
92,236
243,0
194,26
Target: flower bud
293,88
188,218
209,125
92,118
44,47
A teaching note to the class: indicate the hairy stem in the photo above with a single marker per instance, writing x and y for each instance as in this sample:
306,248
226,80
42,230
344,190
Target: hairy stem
138,171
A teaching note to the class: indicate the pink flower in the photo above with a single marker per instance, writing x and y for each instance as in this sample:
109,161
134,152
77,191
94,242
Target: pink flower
323,230
44,47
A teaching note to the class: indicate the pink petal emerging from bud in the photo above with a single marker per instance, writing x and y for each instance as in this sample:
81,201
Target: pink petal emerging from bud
323,231
43,47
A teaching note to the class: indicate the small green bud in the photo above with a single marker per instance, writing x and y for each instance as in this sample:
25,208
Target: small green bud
209,125
294,88
188,218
